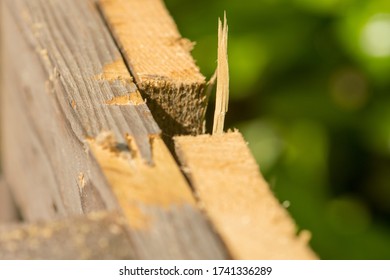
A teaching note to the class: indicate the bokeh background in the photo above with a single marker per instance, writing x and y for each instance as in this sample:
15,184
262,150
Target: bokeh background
310,90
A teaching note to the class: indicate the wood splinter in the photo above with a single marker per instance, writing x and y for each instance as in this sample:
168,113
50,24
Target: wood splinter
222,96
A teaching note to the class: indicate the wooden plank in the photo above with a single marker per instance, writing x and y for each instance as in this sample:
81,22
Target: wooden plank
8,212
80,139
96,236
160,61
237,200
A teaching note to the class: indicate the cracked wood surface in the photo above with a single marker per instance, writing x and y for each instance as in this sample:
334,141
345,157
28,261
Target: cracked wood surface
78,138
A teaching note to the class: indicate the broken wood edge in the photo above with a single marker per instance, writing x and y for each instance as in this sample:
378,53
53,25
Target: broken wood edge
160,61
100,235
160,231
232,192
222,94
157,202
135,182
117,73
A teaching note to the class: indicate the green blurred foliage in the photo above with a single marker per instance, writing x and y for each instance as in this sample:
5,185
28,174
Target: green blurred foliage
310,90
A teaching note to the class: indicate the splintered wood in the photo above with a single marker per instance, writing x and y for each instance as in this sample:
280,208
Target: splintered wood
158,204
77,137
138,184
222,98
231,189
160,61
237,200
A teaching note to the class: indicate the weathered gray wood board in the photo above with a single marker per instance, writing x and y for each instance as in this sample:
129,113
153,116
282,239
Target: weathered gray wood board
72,119
44,156
95,236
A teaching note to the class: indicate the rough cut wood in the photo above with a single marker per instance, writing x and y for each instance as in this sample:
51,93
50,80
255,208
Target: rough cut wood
238,201
96,236
163,217
8,212
77,137
160,61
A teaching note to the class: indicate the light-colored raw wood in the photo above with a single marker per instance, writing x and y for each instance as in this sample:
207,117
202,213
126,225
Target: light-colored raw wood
160,61
238,201
78,138
222,95
95,236
158,203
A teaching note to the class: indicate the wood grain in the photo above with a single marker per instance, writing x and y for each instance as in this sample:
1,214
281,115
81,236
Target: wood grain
222,93
238,201
160,61
79,138
95,236
159,205
53,101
